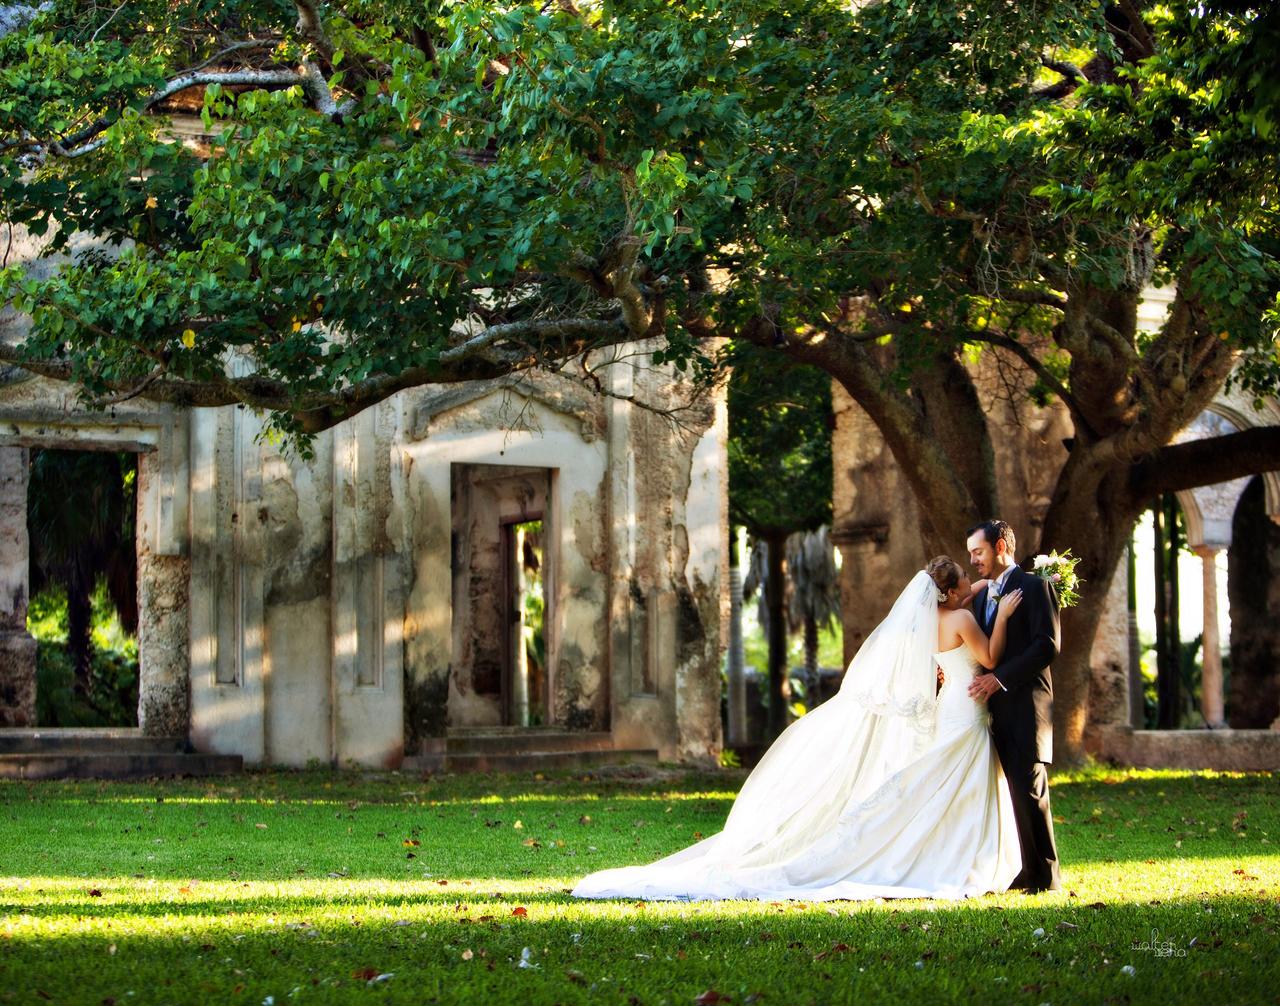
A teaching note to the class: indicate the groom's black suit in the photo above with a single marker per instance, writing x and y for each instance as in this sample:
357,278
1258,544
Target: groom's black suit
1022,720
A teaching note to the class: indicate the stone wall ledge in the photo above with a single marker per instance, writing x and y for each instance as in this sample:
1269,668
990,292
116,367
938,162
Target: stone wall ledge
1222,750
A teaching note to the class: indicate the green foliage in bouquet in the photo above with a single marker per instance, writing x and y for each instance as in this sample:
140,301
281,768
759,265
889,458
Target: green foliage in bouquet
1059,570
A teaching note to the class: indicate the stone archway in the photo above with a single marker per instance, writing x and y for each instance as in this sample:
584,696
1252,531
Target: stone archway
1210,511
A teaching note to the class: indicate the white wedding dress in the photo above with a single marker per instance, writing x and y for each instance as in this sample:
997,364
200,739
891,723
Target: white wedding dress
885,793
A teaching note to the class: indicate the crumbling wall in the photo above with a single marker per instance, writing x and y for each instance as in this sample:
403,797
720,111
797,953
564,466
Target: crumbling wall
669,532
164,696
296,514
501,425
17,647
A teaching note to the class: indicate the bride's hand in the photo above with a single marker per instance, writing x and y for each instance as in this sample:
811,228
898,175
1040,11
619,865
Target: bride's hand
1009,603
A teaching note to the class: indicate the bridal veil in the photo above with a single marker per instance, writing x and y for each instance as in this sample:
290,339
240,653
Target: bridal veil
879,721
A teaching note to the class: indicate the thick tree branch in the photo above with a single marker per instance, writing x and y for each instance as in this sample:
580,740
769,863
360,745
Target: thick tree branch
1072,77
493,352
1045,298
1037,367
1206,462
945,500
82,142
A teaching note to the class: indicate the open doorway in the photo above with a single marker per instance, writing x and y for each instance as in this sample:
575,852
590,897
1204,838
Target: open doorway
502,590
525,659
83,574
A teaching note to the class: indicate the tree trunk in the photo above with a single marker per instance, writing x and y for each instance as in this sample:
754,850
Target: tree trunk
1093,515
1168,634
779,686
80,631
1120,459
811,651
737,699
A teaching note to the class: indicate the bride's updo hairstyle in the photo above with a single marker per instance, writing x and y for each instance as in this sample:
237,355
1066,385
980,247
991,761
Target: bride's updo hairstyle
946,574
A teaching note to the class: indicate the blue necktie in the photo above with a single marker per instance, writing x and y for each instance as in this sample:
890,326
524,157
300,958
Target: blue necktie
993,598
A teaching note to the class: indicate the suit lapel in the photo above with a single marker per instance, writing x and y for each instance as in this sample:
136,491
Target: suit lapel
1010,583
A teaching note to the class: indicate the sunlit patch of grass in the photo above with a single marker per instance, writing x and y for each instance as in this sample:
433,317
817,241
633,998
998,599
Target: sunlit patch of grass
314,887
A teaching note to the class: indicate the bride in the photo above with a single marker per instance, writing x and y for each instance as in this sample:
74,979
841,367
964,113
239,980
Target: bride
883,791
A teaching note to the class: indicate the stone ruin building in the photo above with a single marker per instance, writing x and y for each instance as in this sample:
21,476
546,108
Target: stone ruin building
366,606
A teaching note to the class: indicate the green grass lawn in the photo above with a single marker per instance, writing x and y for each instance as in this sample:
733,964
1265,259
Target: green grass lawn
305,888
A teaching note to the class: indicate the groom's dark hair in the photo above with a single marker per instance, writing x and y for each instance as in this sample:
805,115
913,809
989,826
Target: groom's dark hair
995,529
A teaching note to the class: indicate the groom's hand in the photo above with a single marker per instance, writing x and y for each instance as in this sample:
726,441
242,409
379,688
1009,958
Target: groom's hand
983,686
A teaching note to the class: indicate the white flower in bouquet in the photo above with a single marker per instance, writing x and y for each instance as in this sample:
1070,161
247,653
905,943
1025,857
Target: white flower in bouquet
1059,569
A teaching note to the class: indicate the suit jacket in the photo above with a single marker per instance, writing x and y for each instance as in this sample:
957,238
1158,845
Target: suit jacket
1022,715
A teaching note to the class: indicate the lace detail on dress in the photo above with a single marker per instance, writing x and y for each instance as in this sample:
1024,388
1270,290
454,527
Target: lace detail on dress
919,710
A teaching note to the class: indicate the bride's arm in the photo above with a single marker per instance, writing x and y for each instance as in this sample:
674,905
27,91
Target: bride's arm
1008,605
976,640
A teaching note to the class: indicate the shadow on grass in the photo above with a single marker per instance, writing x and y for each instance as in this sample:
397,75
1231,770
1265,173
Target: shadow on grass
611,952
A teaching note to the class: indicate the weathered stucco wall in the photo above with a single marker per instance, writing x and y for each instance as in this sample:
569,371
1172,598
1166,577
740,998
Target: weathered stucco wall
466,433
164,580
669,547
17,647
298,610
295,610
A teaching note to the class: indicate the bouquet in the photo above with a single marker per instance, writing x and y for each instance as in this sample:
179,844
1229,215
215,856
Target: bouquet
1059,569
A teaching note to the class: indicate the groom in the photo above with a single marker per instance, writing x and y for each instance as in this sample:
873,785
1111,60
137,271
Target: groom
1019,693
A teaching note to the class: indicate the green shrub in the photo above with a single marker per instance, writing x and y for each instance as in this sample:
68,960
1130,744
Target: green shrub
112,698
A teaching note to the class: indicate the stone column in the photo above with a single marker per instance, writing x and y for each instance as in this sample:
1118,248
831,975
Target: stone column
1211,704
17,648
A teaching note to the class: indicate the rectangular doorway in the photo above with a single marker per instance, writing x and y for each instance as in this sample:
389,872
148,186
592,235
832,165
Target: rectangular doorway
83,583
503,573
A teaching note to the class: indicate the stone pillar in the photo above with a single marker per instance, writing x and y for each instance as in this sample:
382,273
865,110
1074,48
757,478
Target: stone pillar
17,648
1211,704
164,601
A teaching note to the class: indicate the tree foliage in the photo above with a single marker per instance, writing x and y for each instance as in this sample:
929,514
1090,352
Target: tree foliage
779,445
394,194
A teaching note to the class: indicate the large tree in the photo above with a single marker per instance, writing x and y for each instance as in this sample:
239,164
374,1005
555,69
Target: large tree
401,193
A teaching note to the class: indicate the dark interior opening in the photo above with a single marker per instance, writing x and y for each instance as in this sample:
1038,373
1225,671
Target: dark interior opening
83,573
